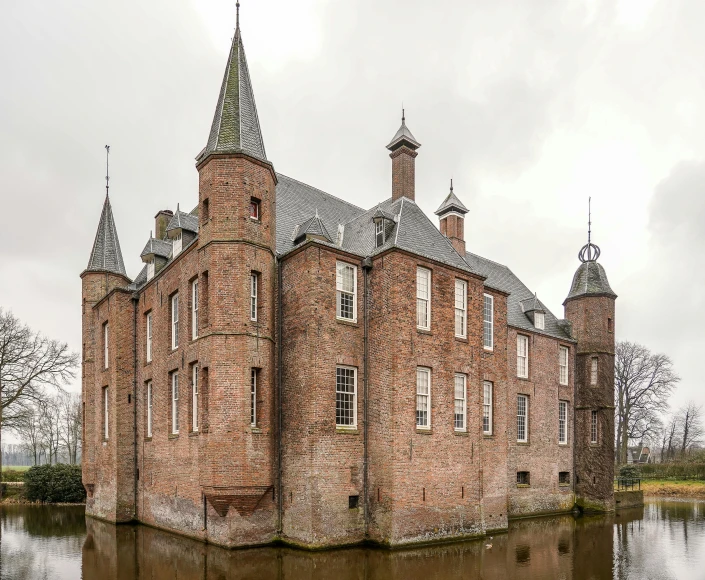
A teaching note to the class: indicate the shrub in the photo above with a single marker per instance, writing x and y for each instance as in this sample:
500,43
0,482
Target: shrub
629,471
12,475
54,484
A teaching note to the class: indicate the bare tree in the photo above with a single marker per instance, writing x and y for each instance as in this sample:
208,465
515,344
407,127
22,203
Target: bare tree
690,418
29,364
643,383
30,433
71,420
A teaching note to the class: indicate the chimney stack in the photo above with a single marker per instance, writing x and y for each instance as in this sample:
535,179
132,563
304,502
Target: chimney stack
452,217
161,221
403,153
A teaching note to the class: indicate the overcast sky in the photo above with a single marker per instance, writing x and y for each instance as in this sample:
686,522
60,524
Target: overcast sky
531,107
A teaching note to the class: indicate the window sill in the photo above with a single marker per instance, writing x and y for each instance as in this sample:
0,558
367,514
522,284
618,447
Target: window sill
523,485
488,435
523,443
255,430
462,338
424,331
462,433
255,220
563,485
147,439
563,445
523,378
173,435
421,431
347,430
193,433
488,348
346,321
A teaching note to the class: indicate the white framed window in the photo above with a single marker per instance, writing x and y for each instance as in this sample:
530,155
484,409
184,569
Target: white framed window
106,415
460,402
148,324
106,342
522,418
488,321
593,370
539,320
522,356
194,309
175,402
593,427
194,399
563,365
423,298
176,245
346,291
175,321
253,296
253,397
423,398
345,396
150,269
149,408
461,308
487,408
562,422
379,233
254,208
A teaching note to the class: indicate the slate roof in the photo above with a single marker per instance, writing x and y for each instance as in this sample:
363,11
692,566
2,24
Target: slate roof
532,304
450,203
313,226
590,278
403,136
235,125
502,278
157,247
106,255
184,221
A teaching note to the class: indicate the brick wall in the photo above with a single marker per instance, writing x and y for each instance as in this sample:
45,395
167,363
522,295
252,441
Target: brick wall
403,173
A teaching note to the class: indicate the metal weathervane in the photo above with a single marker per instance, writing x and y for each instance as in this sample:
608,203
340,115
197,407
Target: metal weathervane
589,252
107,169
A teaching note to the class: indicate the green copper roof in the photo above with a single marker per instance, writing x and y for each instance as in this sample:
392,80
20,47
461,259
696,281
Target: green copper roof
590,279
235,126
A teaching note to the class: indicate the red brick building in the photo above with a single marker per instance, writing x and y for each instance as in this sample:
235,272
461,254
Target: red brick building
290,366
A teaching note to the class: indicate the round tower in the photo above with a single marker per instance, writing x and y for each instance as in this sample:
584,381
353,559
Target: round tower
590,308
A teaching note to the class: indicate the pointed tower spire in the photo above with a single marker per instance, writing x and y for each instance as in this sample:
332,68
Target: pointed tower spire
235,127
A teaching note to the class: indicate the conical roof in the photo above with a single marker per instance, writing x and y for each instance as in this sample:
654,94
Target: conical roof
403,137
106,255
590,280
235,126
451,203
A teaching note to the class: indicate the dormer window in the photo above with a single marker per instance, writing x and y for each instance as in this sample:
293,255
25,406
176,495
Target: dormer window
539,320
254,208
150,269
176,245
379,233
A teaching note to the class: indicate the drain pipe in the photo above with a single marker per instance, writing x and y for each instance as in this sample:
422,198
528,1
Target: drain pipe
135,302
280,326
366,267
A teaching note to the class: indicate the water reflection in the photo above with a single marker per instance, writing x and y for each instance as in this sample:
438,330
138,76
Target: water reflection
663,541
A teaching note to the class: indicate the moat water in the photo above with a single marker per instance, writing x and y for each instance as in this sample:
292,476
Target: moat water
663,540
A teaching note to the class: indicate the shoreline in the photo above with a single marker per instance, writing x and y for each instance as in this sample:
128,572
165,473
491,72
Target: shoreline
675,488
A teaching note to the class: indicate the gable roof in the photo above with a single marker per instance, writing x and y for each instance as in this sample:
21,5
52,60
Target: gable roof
184,221
314,227
157,247
106,255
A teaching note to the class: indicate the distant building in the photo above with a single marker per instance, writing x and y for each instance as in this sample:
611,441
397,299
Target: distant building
639,454
289,365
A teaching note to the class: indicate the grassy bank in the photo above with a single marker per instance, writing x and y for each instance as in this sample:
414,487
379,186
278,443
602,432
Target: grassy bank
690,488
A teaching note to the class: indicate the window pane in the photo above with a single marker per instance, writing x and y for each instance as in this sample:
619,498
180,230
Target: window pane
459,415
423,395
487,408
345,285
488,321
562,422
522,404
460,308
345,396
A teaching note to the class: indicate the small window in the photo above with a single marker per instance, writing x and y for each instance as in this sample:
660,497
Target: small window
593,427
488,322
487,408
522,418
175,321
194,309
610,325
523,478
522,356
254,208
539,320
149,408
175,403
563,422
106,415
346,291
106,342
379,233
564,478
461,308
353,501
194,399
253,397
150,269
460,402
176,245
593,370
148,324
253,296
423,398
345,397
423,298
563,365
205,214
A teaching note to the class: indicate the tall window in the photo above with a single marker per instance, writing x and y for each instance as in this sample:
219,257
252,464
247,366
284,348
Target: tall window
487,408
522,418
539,320
423,398
194,309
593,370
150,269
253,397
522,356
149,336
105,413
106,336
149,408
460,402
175,321
176,245
379,233
563,365
346,291
423,298
488,322
461,308
345,396
194,398
175,402
593,427
253,296
563,422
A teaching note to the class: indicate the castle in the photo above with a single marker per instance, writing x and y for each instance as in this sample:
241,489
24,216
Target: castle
289,366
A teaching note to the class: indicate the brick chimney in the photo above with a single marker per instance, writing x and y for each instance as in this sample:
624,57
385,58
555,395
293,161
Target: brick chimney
452,217
161,221
403,153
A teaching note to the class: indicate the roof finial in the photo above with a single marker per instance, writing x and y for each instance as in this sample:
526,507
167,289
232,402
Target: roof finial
589,252
237,15
451,184
403,114
589,218
107,170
